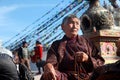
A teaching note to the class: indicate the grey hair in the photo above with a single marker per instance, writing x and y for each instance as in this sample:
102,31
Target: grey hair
68,17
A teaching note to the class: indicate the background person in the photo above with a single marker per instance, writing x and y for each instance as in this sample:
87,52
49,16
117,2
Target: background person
24,55
23,72
37,57
8,70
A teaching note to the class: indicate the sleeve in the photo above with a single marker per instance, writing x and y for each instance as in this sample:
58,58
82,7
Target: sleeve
52,55
94,55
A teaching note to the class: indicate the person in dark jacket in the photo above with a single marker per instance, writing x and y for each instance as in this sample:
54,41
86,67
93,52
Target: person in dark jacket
73,57
8,70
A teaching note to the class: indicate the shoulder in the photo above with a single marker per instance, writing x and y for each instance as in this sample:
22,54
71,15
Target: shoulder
84,40
57,42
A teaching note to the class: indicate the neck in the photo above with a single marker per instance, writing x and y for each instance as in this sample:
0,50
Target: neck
72,37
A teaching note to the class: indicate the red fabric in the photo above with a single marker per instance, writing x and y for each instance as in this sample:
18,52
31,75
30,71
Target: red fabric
38,53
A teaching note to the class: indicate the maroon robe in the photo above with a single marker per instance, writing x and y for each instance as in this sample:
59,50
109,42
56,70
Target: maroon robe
62,55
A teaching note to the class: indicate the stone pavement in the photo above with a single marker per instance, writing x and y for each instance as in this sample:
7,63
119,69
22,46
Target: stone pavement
37,77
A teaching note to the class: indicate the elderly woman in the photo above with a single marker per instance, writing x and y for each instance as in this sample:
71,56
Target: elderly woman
73,57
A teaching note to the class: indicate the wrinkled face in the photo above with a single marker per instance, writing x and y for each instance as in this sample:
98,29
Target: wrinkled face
71,27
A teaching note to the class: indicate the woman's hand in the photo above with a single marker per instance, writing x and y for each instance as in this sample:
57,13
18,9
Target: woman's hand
81,57
49,72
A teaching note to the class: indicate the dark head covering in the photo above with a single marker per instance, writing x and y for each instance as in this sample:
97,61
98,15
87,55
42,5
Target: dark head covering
38,42
24,42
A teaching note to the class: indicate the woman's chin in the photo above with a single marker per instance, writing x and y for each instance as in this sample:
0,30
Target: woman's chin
74,35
